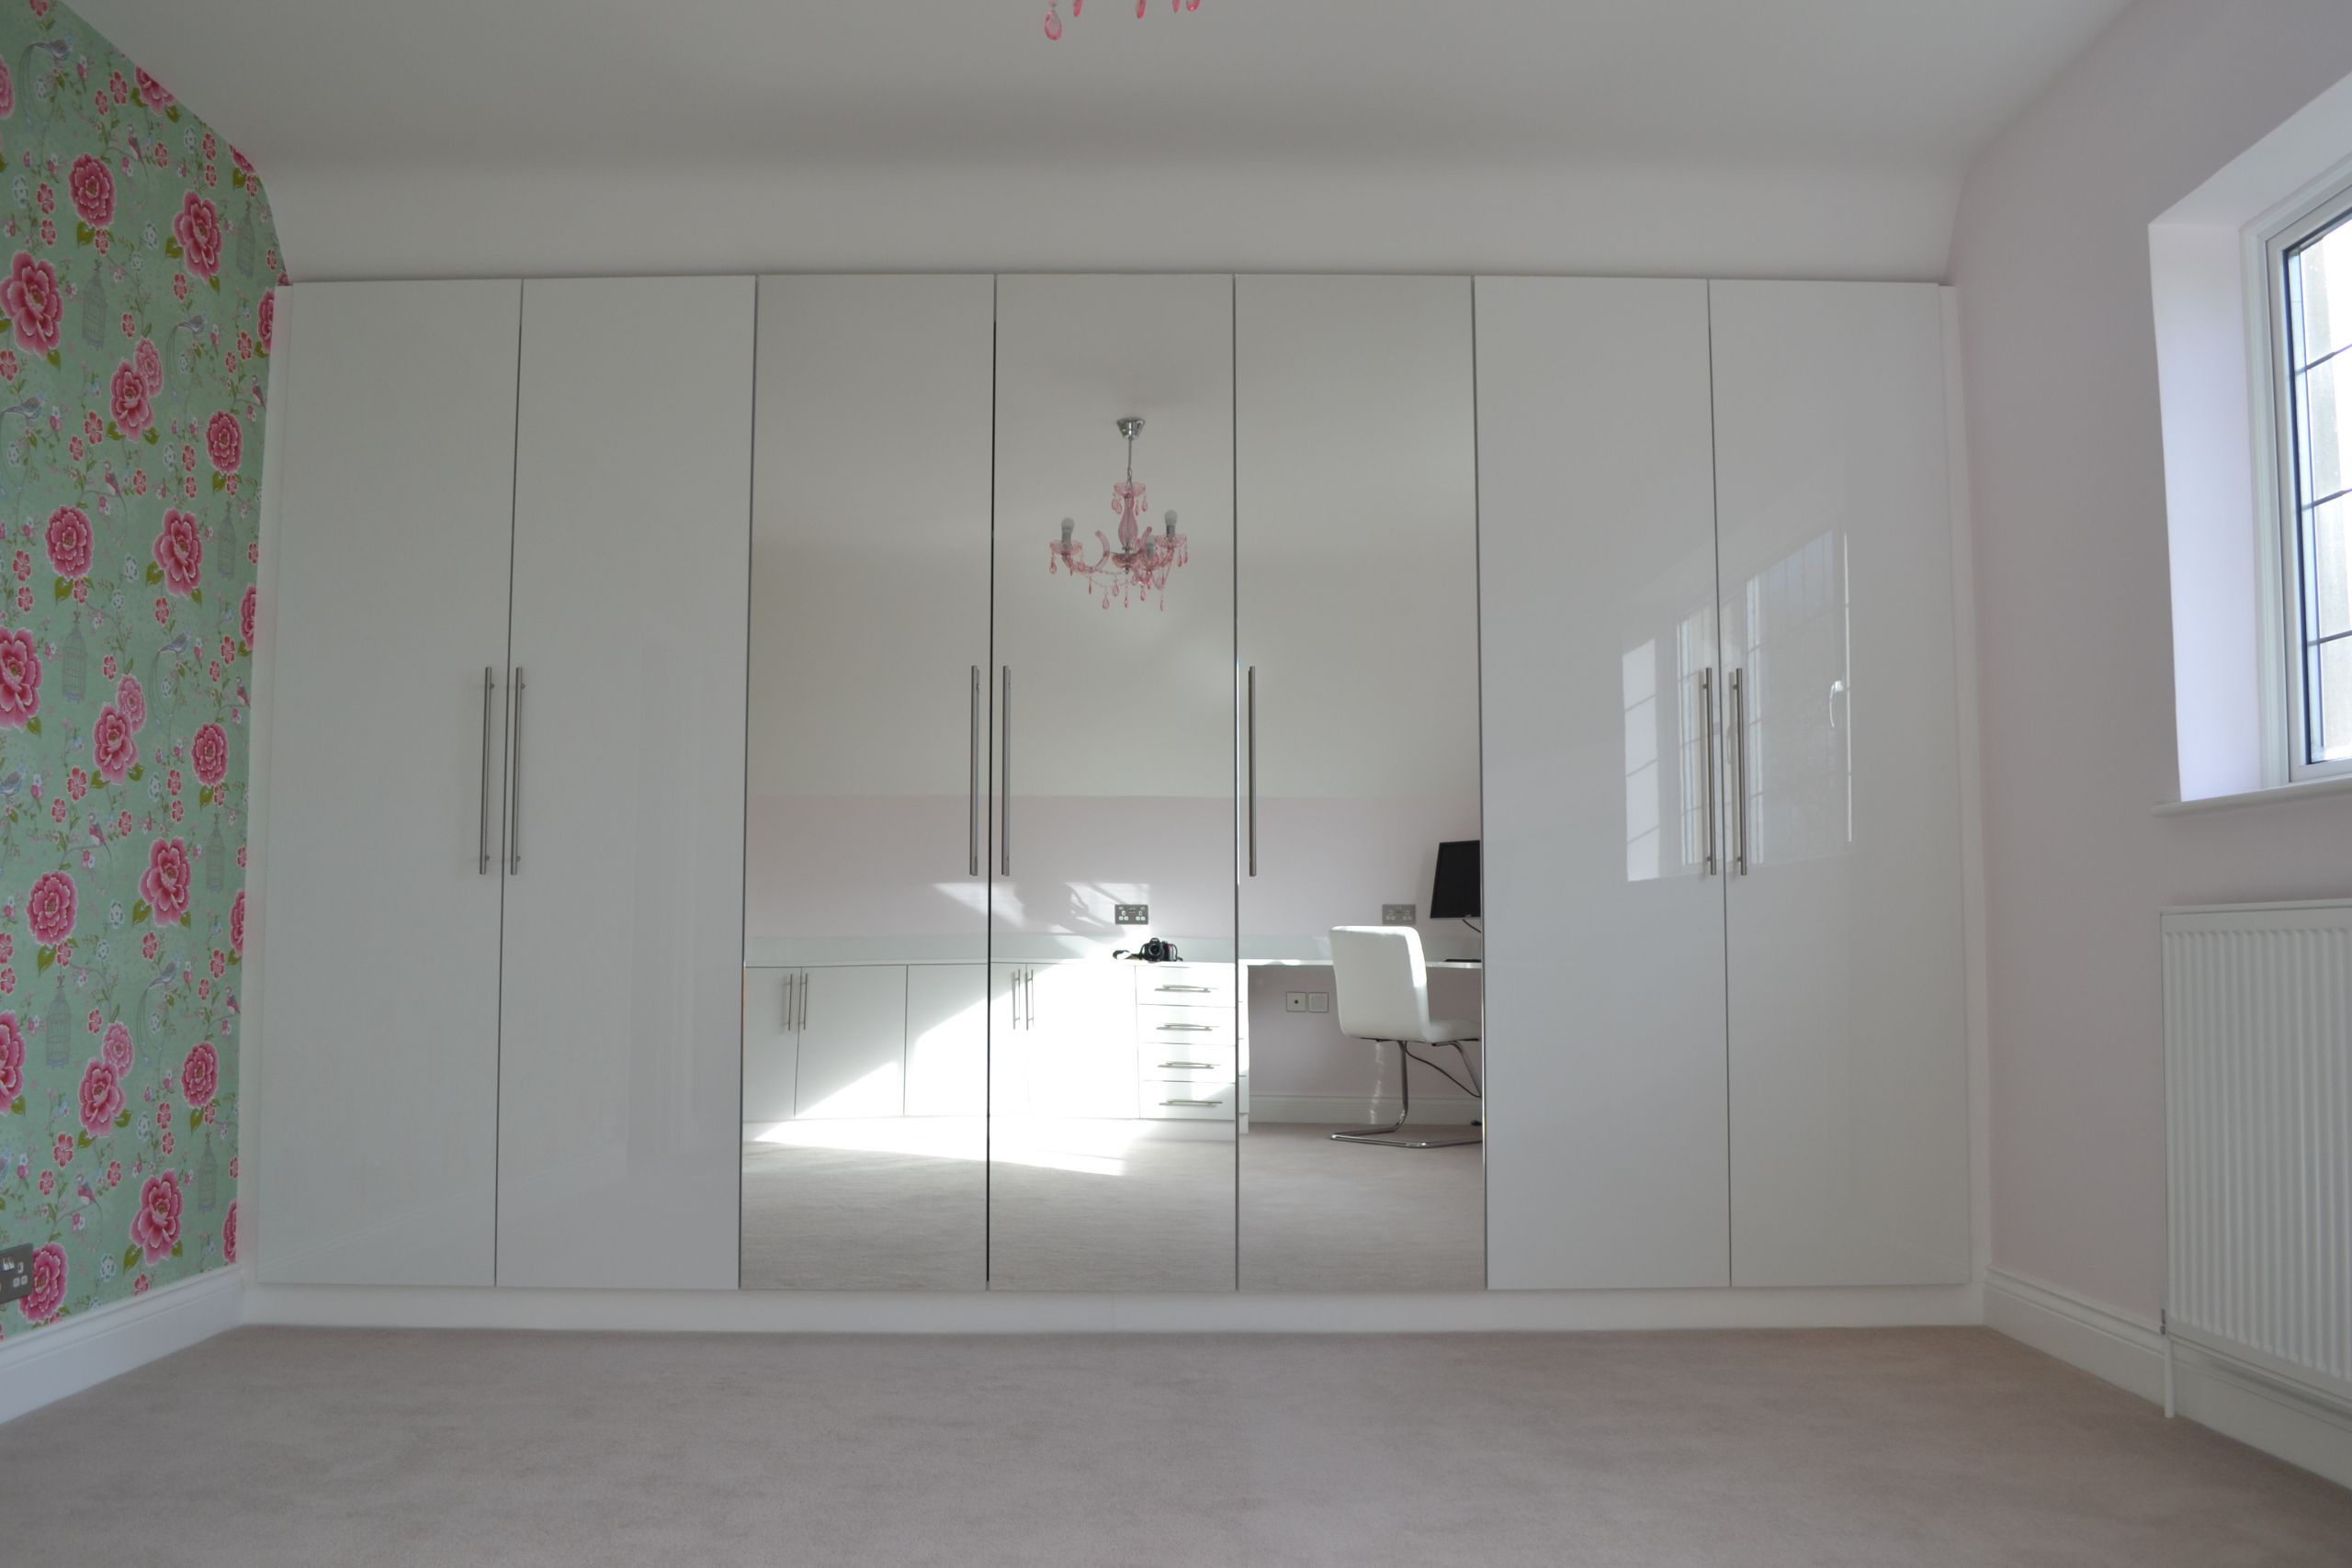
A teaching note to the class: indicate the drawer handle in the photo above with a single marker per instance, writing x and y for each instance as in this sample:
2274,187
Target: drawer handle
1202,1104
1188,1028
1188,1064
1202,989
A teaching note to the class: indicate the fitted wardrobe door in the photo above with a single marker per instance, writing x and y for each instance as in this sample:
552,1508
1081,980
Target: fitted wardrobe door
620,1045
867,809
1848,1063
374,1140
1357,526
1113,758
1604,895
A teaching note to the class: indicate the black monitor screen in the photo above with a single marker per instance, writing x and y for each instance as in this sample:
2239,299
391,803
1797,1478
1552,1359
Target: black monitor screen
1455,895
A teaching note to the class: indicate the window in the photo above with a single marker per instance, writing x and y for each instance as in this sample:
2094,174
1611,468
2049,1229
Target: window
2312,274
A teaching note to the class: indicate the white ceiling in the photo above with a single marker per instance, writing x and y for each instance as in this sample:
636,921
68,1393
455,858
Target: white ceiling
468,90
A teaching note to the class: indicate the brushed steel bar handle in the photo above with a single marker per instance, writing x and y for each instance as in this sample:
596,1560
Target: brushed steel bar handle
804,1001
1004,782
481,834
1012,995
1200,988
1739,771
972,809
1197,1102
515,786
1029,983
1707,765
1253,769
791,1002
1188,1028
1188,1064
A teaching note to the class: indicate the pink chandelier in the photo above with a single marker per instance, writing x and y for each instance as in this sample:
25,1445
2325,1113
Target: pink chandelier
1077,9
1141,560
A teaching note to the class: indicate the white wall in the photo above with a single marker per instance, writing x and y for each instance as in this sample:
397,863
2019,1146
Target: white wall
2051,256
1683,220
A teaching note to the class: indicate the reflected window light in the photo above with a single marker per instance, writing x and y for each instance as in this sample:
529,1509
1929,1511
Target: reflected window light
1641,763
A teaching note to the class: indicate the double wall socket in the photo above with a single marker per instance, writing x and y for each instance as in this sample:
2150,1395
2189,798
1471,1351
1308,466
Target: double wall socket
1132,914
15,1272
1396,914
1306,1001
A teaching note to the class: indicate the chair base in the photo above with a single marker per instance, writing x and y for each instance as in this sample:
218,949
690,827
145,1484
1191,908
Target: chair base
1395,1135
1400,1137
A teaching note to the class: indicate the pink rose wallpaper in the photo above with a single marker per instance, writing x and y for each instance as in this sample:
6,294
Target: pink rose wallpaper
137,265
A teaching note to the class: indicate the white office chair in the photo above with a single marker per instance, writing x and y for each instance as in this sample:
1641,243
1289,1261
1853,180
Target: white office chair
1383,987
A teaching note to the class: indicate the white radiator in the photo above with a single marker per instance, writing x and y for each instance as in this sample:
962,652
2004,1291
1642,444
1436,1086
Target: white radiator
2259,1096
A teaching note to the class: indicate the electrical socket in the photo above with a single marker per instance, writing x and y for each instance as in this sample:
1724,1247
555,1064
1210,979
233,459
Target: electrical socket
15,1272
1396,914
1132,914
1319,1002
1294,1002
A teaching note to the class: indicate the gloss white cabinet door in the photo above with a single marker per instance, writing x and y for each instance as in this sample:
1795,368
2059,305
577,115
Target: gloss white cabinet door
1848,1062
374,1139
948,1044
1606,1115
622,1023
851,1026
770,1047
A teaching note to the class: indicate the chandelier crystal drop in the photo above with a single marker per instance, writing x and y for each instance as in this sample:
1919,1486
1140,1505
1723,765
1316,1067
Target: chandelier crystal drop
1077,9
1141,560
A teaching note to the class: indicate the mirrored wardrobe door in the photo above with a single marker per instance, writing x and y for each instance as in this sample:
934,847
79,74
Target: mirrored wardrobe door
1115,1088
866,925
1358,624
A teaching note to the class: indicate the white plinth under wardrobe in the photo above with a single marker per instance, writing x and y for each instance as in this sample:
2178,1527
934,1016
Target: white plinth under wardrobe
1648,584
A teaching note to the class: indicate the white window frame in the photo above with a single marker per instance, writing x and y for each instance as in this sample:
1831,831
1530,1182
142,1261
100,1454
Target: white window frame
2288,719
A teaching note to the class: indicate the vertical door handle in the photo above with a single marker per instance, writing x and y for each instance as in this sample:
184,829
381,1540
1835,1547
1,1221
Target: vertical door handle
972,802
804,1001
515,786
481,834
791,1001
1252,738
1004,781
1012,992
1707,766
1030,984
1739,771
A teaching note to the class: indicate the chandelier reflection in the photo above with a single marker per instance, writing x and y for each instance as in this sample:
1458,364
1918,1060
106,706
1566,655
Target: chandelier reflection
1139,563
1077,9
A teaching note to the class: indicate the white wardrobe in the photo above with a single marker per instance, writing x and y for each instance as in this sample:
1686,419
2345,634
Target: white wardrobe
1724,948
502,896
1646,584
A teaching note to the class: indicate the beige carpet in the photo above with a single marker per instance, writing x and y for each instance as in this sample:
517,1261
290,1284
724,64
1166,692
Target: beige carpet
1936,1448
905,1206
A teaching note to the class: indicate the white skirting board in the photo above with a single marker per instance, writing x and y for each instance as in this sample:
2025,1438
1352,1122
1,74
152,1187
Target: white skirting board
41,1366
777,1311
2300,1426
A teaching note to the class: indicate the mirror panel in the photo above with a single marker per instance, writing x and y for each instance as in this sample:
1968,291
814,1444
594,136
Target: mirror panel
865,924
1115,1097
1358,627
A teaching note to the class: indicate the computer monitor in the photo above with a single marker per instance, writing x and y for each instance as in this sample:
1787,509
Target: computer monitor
1456,896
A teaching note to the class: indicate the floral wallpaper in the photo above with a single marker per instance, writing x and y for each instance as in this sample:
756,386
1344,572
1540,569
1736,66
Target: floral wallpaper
137,263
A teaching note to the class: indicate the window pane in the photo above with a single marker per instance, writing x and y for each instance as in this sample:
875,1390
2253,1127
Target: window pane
2327,295
2330,570
2332,704
2324,419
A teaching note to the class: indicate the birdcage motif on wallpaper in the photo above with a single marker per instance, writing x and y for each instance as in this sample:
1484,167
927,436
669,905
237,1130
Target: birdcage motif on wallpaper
74,662
56,1029
96,313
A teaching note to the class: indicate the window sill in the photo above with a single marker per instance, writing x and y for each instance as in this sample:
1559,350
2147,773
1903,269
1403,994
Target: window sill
2279,795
